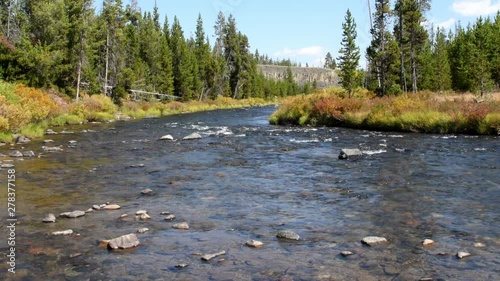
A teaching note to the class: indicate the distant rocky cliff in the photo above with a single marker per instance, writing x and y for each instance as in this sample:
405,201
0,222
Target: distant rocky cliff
301,75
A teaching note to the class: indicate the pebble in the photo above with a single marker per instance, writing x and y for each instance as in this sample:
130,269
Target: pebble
182,225
426,279
50,132
72,142
346,253
288,234
143,230
48,141
96,207
428,242
147,191
165,213
52,148
479,245
49,218
89,210
182,265
111,207
140,212
124,216
29,154
373,240
170,218
254,243
208,257
462,255
64,232
72,256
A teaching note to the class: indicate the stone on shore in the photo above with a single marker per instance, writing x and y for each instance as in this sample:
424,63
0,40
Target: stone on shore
193,136
72,215
208,257
288,234
64,232
373,240
254,244
348,153
124,242
49,218
182,225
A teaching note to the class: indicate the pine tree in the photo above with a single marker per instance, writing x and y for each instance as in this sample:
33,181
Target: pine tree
330,62
440,63
349,54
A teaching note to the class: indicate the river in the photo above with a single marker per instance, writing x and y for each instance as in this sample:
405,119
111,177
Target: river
246,179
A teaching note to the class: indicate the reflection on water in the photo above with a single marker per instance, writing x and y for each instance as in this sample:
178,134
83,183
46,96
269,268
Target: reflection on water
247,180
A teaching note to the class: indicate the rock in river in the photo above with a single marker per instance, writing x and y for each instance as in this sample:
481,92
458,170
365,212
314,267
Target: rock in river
49,218
64,232
288,234
373,240
16,153
346,253
182,225
193,136
208,257
52,148
29,154
167,137
124,242
142,230
254,244
22,140
147,191
170,217
111,207
462,255
72,215
348,153
428,242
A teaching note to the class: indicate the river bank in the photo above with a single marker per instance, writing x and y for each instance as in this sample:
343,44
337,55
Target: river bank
29,112
423,112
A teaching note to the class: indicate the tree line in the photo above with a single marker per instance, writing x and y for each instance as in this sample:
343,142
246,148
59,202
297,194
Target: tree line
406,56
67,45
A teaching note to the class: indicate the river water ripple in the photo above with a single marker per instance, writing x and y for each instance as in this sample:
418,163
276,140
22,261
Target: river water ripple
246,180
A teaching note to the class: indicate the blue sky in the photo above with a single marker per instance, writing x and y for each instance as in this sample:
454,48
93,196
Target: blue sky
303,31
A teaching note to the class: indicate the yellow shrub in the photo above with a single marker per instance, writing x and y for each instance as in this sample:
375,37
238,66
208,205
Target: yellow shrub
38,104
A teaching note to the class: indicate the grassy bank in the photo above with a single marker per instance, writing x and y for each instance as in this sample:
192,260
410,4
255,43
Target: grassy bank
29,112
422,112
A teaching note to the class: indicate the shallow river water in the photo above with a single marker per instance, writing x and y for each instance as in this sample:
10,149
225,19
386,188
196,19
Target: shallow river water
247,180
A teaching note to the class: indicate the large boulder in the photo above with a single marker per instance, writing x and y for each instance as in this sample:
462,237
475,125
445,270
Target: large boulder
124,242
288,234
347,153
16,153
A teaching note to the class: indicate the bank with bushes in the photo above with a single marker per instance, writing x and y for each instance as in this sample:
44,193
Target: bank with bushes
424,112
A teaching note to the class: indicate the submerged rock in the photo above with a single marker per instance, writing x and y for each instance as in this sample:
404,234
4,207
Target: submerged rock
48,141
96,207
140,212
52,148
144,217
124,242
147,191
288,234
49,218
143,230
22,140
373,240
167,137
182,225
72,215
64,232
193,136
182,265
348,153
254,244
50,132
208,257
170,217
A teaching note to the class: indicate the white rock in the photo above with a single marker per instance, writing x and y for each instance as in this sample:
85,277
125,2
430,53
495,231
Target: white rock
346,253
143,230
140,212
167,137
479,245
254,243
347,153
182,225
64,232
428,242
288,234
144,217
208,257
193,136
147,191
462,255
111,207
49,218
124,242
373,240
170,217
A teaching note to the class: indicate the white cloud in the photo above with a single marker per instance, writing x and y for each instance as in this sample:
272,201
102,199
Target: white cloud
307,51
446,24
474,8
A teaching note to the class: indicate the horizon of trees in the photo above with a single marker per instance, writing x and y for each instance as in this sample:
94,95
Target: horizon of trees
64,44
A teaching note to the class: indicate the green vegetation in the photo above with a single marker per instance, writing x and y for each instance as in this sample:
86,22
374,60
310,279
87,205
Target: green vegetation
423,112
29,112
